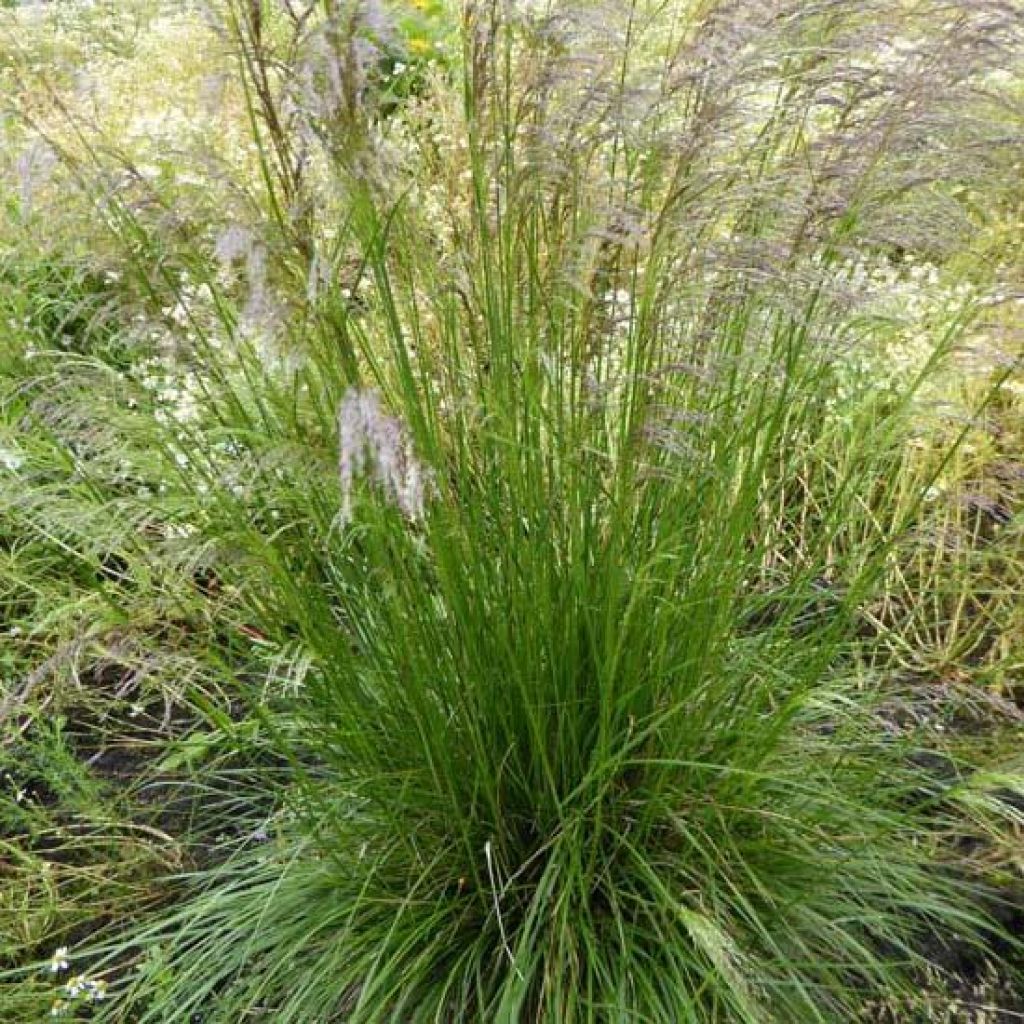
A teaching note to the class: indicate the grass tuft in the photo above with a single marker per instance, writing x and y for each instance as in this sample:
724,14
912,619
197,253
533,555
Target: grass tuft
501,516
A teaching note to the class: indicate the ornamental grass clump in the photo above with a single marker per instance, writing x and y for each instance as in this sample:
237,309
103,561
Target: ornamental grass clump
557,515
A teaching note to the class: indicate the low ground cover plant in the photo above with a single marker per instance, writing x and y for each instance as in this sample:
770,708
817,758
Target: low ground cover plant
503,544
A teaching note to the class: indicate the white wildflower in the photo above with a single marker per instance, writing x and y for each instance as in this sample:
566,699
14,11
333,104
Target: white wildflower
96,990
92,990
59,960
10,460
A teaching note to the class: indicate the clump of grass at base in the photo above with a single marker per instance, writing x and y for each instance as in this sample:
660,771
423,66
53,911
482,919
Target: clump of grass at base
575,726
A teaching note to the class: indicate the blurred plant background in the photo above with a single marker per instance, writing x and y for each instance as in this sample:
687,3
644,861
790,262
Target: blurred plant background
512,511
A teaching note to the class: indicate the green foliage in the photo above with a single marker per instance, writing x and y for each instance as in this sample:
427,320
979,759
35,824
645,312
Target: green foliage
495,578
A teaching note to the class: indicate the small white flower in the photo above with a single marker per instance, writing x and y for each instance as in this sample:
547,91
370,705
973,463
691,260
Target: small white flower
10,460
96,990
59,960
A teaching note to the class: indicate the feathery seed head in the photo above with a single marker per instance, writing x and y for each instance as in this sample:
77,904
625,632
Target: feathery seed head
371,441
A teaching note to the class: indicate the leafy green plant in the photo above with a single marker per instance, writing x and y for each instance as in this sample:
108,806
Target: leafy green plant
534,534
